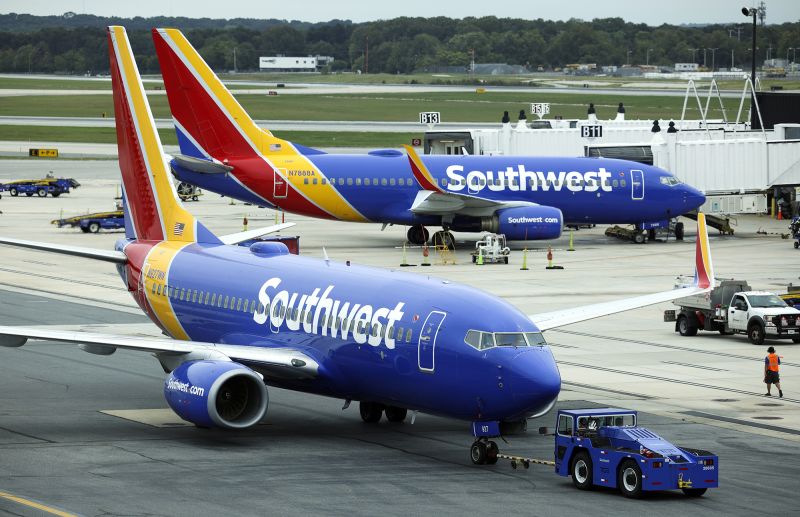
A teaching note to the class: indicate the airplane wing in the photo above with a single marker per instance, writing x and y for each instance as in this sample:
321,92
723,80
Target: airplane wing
703,282
433,200
236,238
280,362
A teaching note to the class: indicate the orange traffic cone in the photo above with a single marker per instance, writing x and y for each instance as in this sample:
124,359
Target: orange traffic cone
780,214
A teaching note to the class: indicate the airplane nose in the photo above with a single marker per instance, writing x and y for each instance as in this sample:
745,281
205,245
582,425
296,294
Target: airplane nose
536,381
693,198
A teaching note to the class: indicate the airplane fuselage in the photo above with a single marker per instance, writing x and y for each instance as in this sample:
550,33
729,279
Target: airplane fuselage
399,341
380,186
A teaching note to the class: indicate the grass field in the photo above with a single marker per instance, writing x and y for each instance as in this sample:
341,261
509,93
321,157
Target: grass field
454,106
109,136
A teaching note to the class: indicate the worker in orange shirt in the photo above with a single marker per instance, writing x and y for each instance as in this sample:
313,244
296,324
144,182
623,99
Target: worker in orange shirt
771,376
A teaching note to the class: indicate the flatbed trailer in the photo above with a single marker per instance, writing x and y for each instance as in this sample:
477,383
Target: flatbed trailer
41,187
93,223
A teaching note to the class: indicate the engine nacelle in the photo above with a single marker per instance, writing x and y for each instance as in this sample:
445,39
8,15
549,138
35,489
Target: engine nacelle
217,394
528,223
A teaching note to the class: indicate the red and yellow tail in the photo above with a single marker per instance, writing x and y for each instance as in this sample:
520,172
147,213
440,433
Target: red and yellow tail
153,210
704,269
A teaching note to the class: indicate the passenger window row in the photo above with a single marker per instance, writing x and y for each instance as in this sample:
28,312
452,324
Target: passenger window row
278,310
369,182
481,182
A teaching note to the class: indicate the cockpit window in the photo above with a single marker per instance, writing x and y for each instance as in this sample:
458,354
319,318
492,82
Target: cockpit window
510,339
484,340
670,180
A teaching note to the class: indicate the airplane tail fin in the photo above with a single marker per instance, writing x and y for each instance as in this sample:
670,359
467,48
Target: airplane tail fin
209,121
704,269
153,211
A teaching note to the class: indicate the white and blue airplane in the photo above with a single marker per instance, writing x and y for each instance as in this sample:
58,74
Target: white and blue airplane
524,197
240,319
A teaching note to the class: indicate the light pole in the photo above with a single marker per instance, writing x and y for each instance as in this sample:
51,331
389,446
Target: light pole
647,61
693,50
628,59
752,11
713,57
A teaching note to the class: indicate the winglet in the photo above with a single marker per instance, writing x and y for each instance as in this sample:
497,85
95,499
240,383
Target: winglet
704,269
421,173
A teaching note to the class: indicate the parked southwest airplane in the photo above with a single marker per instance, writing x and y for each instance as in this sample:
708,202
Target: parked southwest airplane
526,198
243,318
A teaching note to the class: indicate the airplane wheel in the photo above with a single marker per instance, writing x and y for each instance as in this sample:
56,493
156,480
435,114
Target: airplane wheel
478,453
395,414
582,476
491,453
444,238
678,231
418,235
629,479
371,412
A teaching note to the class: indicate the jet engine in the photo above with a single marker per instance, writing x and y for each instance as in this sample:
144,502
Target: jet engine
217,394
526,223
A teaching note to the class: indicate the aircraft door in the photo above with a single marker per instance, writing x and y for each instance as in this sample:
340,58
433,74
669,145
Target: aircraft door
427,341
637,185
280,184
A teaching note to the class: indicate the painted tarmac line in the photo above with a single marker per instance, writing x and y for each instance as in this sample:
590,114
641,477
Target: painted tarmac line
33,504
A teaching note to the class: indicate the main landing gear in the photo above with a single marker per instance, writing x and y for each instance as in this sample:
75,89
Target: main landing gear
420,235
371,412
483,452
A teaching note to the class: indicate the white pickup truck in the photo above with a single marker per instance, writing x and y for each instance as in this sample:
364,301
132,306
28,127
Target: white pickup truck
732,308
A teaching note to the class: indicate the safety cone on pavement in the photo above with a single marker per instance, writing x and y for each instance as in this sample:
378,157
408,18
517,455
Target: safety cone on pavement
524,260
479,261
244,223
425,261
571,247
550,260
405,263
780,214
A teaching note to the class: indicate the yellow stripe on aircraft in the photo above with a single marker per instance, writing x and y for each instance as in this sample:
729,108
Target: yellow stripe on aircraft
156,270
178,223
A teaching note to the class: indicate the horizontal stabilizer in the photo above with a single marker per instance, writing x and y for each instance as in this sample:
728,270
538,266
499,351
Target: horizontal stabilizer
236,238
201,166
107,255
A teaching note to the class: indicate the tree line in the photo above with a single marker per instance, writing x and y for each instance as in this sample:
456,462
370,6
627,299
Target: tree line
77,44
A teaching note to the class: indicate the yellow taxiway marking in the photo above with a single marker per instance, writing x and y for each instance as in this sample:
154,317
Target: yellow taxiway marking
34,504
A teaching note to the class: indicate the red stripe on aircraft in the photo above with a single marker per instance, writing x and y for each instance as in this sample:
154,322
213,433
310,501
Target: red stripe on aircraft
423,181
137,253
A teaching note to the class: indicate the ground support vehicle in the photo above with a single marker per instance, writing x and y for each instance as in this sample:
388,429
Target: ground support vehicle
794,227
93,223
732,308
188,192
42,187
491,249
606,447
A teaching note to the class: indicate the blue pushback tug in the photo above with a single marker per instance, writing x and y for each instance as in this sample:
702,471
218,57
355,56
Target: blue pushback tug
606,447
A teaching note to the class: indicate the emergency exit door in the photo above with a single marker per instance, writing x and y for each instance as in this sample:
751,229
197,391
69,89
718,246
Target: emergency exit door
637,185
427,341
281,186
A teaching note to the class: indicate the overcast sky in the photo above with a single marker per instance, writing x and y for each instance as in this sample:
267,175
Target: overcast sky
653,12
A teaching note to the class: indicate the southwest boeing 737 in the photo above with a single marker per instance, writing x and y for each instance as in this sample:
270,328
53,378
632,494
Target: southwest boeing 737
526,198
240,319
